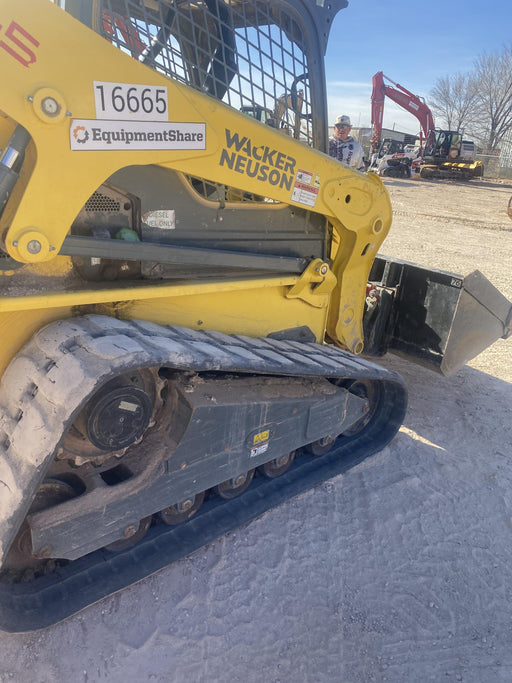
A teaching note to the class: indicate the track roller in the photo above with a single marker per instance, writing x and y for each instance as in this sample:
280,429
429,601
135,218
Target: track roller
235,486
277,467
182,511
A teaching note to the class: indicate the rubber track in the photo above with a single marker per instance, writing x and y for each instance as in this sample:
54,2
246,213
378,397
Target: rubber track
52,377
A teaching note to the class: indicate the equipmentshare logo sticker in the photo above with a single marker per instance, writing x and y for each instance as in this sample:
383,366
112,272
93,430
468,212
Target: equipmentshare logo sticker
138,135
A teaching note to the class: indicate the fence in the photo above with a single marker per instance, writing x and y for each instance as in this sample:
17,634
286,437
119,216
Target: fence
495,166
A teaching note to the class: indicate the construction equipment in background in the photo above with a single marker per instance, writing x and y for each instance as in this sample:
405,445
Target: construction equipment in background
448,155
287,114
444,153
186,292
403,97
396,159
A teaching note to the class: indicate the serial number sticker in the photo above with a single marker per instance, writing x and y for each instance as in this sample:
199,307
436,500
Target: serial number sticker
258,450
130,407
164,219
130,102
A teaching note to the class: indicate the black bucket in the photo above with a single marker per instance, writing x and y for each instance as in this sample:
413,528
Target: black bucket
439,319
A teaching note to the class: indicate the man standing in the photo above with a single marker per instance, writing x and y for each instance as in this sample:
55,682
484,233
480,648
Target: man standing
343,147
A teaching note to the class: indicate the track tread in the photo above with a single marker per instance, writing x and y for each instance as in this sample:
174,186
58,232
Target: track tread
49,381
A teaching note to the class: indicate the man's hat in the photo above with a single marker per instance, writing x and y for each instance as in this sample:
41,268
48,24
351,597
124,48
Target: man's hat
343,120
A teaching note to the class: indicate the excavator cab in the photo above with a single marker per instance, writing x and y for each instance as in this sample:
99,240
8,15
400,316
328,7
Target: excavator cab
446,156
443,145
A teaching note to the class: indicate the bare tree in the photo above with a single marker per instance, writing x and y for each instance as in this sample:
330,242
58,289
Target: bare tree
493,81
454,99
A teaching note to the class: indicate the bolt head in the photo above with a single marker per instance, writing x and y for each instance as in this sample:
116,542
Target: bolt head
129,531
50,106
34,246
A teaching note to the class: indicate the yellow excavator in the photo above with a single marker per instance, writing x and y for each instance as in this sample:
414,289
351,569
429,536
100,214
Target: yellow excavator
190,288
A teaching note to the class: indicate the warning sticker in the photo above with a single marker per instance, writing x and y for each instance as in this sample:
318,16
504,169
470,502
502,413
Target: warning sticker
258,450
305,189
304,177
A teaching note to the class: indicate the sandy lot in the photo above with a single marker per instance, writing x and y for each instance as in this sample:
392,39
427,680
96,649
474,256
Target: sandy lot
399,570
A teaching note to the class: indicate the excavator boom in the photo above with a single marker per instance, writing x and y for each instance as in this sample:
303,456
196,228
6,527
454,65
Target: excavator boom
406,99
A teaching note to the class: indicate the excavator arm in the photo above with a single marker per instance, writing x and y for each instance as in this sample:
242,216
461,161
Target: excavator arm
400,95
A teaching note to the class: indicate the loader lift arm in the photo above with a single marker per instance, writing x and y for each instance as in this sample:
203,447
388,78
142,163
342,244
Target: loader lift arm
356,207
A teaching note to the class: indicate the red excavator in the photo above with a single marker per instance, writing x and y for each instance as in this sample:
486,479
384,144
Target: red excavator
412,103
445,154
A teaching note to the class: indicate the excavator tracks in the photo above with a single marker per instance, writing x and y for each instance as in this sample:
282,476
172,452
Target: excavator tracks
53,377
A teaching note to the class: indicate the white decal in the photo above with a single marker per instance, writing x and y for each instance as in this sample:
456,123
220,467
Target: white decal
304,177
165,219
130,102
305,190
114,135
130,407
258,450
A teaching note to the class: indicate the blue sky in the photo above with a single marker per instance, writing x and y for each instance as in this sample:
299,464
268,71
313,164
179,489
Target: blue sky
413,43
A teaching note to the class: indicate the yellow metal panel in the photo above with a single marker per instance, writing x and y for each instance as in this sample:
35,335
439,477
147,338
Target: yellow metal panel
231,307
63,59
142,292
234,312
17,327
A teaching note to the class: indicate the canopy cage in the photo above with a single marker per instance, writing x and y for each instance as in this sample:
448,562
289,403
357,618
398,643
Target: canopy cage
255,56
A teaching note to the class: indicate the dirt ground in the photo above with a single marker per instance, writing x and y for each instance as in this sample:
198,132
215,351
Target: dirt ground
399,570
458,227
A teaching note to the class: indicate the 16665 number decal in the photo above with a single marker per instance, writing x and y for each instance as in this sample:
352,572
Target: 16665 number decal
130,102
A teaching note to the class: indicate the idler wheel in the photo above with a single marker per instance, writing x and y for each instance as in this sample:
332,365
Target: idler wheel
20,561
117,416
370,391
